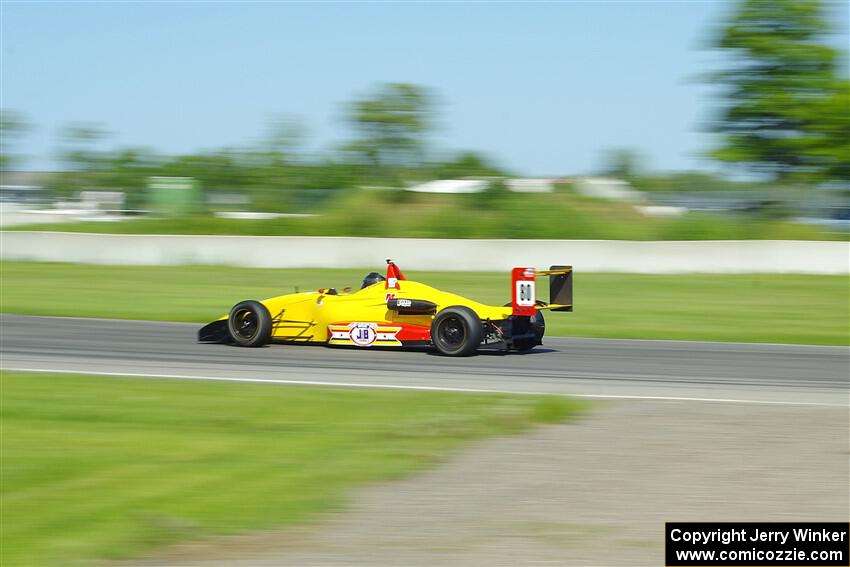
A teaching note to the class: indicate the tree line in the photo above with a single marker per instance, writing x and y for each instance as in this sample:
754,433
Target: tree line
783,112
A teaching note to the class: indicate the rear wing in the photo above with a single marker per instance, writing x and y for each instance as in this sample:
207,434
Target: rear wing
524,294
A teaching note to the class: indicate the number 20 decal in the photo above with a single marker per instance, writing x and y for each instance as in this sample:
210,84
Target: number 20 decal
525,293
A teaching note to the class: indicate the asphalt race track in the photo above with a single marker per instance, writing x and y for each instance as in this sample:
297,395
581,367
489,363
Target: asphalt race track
587,367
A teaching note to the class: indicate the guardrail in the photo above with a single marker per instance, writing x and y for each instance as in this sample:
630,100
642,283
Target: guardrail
668,257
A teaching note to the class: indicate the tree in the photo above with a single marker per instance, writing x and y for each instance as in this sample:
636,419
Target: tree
12,127
284,136
82,157
831,147
623,163
79,146
780,92
465,164
127,170
391,123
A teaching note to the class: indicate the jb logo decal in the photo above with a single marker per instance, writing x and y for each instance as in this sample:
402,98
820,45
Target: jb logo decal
363,334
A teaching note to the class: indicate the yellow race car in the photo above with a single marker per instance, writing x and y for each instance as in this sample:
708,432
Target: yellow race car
393,311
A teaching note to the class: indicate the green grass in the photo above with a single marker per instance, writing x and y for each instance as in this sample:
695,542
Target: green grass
749,308
559,215
96,467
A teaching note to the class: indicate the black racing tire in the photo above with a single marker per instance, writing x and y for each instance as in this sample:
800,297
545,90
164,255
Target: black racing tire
538,323
539,326
250,324
457,331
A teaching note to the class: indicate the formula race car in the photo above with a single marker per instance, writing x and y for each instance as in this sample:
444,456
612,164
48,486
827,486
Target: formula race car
393,311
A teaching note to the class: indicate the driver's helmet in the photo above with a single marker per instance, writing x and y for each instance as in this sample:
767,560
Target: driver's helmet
372,278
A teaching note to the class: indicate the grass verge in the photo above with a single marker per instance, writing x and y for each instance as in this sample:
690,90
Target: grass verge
103,468
749,308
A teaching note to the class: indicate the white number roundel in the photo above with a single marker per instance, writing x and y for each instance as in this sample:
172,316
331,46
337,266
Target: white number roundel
363,335
525,293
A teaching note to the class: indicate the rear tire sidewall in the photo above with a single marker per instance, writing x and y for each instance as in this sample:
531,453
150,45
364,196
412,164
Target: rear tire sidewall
539,326
456,331
249,324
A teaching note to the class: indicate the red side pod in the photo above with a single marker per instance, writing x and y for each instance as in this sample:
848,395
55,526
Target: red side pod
414,333
387,333
523,296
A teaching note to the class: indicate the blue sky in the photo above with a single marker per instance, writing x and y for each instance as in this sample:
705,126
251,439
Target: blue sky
542,88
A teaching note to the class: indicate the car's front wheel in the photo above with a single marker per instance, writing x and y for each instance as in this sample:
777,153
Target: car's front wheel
250,324
456,331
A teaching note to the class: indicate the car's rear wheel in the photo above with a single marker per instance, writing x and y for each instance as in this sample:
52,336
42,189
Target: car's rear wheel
250,324
537,325
456,331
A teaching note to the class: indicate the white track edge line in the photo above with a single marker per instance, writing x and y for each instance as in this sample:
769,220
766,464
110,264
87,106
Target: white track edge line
422,388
